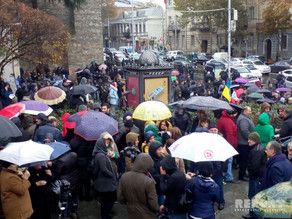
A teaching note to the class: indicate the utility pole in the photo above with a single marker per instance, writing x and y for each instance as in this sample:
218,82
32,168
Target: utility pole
108,32
133,37
229,37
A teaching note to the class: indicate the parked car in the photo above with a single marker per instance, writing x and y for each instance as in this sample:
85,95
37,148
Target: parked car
184,63
257,57
288,82
265,69
120,56
236,61
171,55
215,66
181,57
254,70
245,72
197,58
281,65
286,73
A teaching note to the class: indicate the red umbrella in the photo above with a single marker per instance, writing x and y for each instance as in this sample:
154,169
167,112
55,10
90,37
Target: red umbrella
12,110
174,73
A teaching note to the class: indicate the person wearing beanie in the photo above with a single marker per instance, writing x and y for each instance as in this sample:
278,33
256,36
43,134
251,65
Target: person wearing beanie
172,184
205,192
265,129
255,165
149,138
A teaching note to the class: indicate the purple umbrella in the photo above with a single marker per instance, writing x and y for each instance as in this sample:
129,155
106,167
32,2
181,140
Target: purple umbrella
283,89
34,107
93,123
241,80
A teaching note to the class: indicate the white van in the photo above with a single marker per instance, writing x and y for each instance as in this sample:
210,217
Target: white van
171,55
221,56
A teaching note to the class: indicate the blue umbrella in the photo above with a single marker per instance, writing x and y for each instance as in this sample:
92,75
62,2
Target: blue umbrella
93,123
59,149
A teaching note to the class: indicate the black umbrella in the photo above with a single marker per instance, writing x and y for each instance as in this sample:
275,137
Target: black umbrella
8,130
205,103
264,91
267,100
238,108
83,89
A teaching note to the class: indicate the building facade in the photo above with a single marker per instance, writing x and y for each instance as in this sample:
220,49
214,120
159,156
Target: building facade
145,26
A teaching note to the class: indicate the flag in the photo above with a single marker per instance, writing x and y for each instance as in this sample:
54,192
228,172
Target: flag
226,91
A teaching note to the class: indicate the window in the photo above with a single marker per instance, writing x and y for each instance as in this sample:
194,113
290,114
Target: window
284,41
192,40
251,13
136,28
140,28
183,39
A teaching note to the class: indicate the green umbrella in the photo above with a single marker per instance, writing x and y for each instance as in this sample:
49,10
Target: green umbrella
255,96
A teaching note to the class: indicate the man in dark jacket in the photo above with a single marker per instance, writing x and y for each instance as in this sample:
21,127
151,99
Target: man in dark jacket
278,167
255,164
286,129
137,189
172,185
45,128
105,180
182,120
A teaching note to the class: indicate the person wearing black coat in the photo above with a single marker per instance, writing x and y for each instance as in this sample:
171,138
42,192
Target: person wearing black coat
83,149
286,129
42,198
182,120
105,180
255,164
156,152
172,185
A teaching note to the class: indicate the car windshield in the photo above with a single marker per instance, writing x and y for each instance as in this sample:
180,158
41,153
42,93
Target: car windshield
251,67
258,63
242,70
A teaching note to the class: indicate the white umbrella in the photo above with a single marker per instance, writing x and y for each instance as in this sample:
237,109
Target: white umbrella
26,152
202,147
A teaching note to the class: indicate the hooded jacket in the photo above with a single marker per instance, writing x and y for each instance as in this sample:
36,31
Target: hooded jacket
104,175
111,147
228,128
265,129
113,96
172,184
205,192
137,190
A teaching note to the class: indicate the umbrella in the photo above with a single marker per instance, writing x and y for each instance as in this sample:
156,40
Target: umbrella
151,110
241,80
234,86
12,110
264,91
93,123
238,108
255,96
59,149
8,130
205,103
77,116
102,67
83,89
26,152
177,103
50,95
201,146
267,100
174,73
34,107
283,89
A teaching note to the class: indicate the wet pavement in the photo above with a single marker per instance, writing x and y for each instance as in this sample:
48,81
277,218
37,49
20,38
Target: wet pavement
90,210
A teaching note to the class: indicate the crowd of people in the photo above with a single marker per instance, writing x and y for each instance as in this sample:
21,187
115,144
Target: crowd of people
135,167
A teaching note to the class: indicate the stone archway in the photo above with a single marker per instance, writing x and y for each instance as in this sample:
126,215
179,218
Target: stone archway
268,49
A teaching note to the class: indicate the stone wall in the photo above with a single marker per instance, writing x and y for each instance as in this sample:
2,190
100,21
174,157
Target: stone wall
87,42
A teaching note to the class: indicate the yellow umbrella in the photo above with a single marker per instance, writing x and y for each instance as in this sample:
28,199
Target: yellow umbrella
151,110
